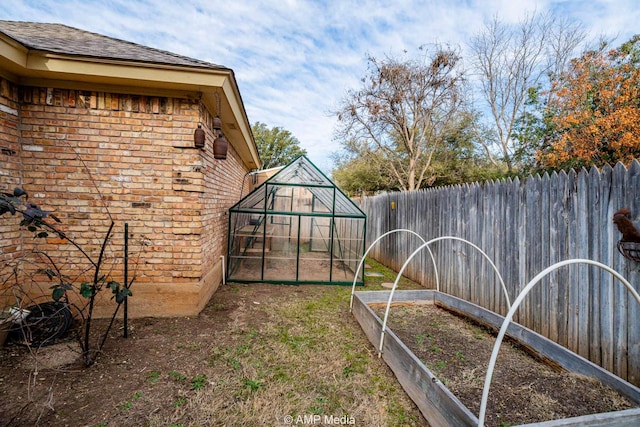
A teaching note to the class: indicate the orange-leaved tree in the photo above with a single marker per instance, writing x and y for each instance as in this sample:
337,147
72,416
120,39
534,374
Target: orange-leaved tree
594,109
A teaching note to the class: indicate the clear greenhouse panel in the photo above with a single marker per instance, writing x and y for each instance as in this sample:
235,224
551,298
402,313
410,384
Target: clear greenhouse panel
297,227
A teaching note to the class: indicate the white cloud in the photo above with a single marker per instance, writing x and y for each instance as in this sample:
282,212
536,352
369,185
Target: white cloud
295,59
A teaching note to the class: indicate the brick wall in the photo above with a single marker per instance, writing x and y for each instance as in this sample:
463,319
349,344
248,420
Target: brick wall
10,176
94,157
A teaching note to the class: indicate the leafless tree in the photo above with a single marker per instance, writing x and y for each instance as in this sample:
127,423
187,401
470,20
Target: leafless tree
510,60
401,112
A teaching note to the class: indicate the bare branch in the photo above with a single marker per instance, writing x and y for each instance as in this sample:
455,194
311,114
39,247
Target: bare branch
402,110
512,59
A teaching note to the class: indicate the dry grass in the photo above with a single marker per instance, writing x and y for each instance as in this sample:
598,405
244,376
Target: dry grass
256,355
298,357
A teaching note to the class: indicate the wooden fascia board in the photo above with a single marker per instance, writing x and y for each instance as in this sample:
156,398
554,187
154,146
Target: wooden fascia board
231,91
13,51
13,57
42,68
88,69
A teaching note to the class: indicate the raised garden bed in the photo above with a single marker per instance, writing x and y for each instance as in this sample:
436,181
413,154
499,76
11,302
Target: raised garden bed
435,341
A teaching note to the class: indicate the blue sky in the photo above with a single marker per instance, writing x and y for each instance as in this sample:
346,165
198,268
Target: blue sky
294,60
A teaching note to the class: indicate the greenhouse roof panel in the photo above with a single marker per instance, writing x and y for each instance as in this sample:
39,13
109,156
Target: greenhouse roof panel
343,205
302,173
255,200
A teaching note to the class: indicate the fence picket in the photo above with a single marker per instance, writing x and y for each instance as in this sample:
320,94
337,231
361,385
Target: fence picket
633,275
620,318
544,254
582,273
607,245
595,225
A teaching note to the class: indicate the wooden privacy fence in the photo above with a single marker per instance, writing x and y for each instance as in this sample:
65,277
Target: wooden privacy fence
524,227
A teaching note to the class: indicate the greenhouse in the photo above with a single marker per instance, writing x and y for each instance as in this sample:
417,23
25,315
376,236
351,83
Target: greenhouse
297,227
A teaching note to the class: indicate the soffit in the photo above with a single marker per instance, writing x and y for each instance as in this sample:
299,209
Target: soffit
33,56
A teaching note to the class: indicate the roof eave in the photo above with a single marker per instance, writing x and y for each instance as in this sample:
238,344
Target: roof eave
31,67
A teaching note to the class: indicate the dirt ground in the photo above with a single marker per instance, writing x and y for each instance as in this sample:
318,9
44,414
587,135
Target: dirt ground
259,353
523,389
255,355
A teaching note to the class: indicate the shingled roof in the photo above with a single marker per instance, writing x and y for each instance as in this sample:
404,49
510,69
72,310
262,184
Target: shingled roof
56,55
62,39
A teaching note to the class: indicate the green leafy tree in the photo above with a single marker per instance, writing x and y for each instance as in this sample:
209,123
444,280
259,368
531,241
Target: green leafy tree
357,175
276,146
461,158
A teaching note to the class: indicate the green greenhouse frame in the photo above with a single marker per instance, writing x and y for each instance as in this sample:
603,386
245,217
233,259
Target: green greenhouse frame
297,227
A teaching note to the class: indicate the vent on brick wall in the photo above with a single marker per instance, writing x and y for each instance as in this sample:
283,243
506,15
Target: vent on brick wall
8,152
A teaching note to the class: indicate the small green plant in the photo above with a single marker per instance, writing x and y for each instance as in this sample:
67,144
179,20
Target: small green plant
235,363
357,364
478,333
177,376
319,409
281,373
198,382
129,404
440,365
459,355
217,353
436,349
181,400
348,370
242,349
193,346
216,306
422,337
435,323
253,385
398,417
153,377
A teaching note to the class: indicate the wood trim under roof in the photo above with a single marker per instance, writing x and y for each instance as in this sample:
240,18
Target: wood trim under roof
27,66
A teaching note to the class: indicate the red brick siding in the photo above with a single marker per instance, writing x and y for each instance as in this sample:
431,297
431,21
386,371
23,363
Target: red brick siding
10,175
138,152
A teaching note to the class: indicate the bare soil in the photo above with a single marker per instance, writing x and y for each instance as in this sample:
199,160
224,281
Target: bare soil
256,355
259,353
523,389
